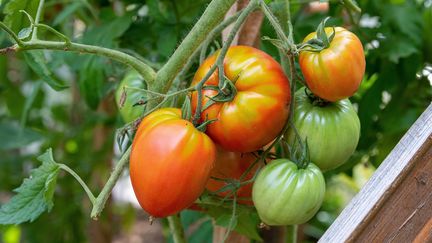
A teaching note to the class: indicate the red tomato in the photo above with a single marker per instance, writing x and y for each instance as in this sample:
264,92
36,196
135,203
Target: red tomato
334,73
260,108
232,165
170,162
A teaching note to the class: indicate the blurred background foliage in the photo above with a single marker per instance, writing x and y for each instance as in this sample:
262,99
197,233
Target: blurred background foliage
66,101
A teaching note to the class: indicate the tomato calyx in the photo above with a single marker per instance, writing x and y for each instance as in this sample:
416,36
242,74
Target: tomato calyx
321,41
203,126
315,100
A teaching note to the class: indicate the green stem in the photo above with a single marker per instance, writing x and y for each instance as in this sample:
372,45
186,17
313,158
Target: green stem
80,181
99,202
211,17
291,236
176,229
37,19
145,70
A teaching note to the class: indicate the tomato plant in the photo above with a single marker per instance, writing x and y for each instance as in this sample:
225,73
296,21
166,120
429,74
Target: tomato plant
170,162
285,194
232,165
260,107
332,130
335,72
128,86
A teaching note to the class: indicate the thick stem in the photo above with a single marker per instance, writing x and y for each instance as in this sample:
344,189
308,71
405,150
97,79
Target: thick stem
37,19
145,70
101,199
211,17
80,181
176,229
291,236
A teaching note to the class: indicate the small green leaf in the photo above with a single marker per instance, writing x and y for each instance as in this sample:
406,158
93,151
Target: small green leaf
34,195
25,33
187,109
37,62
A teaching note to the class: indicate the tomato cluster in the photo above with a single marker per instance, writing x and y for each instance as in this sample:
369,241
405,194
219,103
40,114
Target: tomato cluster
174,159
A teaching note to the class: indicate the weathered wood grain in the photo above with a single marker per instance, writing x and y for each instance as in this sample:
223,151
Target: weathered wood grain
399,189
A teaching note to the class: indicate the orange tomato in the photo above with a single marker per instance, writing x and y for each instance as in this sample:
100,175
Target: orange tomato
232,165
170,162
260,108
334,73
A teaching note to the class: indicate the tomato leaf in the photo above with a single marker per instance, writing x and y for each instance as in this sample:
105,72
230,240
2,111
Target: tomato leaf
34,195
38,63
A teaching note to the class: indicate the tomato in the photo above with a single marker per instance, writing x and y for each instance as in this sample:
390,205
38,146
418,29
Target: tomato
260,108
232,165
332,130
284,194
334,73
129,112
170,162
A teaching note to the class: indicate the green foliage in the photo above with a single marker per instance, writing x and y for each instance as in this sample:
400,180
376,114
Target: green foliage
34,196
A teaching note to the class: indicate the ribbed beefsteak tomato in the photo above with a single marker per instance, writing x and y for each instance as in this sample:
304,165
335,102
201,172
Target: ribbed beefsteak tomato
334,73
284,194
332,130
260,107
170,162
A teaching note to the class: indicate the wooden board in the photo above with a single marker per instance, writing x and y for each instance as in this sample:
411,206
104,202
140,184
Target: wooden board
395,205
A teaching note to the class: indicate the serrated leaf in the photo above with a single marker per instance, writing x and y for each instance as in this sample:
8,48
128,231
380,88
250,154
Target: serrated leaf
37,62
35,194
25,33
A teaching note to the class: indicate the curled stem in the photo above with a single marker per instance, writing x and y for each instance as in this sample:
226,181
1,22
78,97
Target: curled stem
176,229
80,181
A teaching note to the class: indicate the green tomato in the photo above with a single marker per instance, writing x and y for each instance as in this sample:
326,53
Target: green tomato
332,130
283,194
133,80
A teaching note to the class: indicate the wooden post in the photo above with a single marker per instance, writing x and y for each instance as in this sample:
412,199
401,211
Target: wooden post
395,205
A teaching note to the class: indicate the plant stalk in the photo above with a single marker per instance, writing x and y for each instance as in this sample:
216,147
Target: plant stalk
176,229
211,17
103,196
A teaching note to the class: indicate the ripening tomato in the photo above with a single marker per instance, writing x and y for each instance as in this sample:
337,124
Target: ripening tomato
170,162
129,112
232,165
332,130
336,72
284,194
260,107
